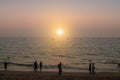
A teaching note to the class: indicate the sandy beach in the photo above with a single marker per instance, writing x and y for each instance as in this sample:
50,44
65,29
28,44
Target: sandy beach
29,75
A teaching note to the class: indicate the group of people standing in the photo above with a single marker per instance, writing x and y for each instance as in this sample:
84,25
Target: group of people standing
91,67
36,66
41,65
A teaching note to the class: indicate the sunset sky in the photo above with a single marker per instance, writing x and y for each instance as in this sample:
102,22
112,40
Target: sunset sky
77,18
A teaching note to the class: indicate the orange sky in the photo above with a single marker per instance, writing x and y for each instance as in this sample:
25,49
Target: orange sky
77,17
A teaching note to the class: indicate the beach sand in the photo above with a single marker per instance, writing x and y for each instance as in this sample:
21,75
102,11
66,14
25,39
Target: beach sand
29,75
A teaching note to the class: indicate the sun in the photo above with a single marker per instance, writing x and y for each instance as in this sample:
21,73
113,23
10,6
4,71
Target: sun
60,32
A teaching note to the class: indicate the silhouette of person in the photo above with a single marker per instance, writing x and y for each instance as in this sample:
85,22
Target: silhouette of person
60,68
93,68
35,66
118,67
5,65
90,67
40,66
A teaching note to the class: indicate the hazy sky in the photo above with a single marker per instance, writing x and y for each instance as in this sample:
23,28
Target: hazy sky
86,18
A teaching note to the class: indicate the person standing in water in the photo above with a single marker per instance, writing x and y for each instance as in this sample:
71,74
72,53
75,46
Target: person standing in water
40,66
5,65
90,67
35,66
119,67
60,68
93,68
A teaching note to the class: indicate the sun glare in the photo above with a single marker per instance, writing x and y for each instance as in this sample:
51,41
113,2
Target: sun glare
60,32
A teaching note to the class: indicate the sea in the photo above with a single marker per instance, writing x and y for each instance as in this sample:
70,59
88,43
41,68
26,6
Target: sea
74,53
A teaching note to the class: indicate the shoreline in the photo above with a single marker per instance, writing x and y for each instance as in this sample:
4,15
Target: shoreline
8,71
51,75
64,70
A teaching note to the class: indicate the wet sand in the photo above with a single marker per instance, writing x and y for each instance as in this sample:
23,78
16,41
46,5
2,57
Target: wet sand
29,75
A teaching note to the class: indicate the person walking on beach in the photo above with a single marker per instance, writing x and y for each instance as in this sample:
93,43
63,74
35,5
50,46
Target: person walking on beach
40,66
90,67
5,65
93,68
60,68
35,66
